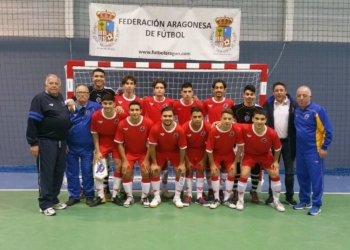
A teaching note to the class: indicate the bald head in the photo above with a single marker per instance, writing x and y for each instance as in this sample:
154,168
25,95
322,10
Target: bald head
82,95
303,96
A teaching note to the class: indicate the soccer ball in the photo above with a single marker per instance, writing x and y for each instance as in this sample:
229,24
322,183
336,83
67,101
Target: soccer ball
226,43
109,37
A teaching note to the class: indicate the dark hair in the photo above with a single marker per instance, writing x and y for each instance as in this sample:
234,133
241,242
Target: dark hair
107,97
168,108
186,85
159,81
260,112
135,103
219,80
249,87
98,70
227,111
128,77
278,83
196,109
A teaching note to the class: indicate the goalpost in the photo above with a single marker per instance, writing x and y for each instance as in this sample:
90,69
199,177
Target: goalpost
201,75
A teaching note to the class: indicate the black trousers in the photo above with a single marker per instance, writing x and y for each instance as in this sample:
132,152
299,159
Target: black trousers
51,163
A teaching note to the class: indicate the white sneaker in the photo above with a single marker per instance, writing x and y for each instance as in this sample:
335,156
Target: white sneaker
240,204
166,193
229,204
129,201
59,206
215,204
278,206
49,211
178,203
145,202
155,202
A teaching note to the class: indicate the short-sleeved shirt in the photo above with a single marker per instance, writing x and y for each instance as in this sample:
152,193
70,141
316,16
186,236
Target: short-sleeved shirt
183,112
121,100
152,108
213,108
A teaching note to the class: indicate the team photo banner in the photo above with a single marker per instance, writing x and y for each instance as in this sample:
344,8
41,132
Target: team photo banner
164,32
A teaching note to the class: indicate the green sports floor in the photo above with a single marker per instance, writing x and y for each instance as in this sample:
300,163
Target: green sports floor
167,227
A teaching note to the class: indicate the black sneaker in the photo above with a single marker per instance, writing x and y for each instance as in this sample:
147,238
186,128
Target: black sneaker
107,192
269,200
97,201
118,201
290,201
89,201
254,195
221,195
72,201
211,195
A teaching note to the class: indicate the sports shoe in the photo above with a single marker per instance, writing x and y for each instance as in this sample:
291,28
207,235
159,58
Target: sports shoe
71,202
211,195
205,197
302,205
165,193
59,206
178,203
314,210
221,195
229,204
49,211
98,201
235,196
187,201
145,202
117,201
240,205
107,193
129,201
203,202
215,204
89,201
269,200
254,194
278,206
290,201
155,202
122,195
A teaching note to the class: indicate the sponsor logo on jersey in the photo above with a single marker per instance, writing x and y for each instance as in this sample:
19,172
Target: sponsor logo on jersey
151,103
189,135
100,122
51,104
225,106
306,116
178,108
263,140
120,102
162,134
125,128
142,128
210,105
176,135
232,134
116,121
248,135
217,136
203,133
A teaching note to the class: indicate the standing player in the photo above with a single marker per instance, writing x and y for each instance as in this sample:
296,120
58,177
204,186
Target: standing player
151,108
104,124
243,113
183,106
134,128
220,144
213,107
258,140
196,131
128,84
167,141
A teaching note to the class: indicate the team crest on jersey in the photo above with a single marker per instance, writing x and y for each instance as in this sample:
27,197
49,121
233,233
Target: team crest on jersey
232,134
87,112
142,128
203,133
263,140
225,106
98,100
247,118
306,116
176,135
165,105
116,121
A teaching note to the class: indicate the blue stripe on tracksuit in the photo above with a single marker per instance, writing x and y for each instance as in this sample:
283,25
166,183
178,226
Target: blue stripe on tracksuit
81,148
313,132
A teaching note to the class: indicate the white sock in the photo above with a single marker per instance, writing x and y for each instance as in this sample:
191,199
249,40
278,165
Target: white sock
241,187
99,188
223,178
216,185
178,189
145,186
200,185
128,187
189,181
117,182
156,186
229,185
276,190
208,177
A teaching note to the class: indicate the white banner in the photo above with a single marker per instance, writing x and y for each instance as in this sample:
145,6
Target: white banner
164,32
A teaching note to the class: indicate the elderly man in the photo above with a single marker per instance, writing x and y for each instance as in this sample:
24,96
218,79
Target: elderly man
314,135
81,147
48,125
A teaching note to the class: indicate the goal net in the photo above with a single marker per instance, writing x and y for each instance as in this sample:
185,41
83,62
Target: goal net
201,75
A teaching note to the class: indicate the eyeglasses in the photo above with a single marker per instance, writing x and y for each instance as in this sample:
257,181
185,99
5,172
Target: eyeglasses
81,93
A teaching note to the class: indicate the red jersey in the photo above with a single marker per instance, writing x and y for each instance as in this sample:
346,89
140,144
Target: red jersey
151,108
259,145
121,100
183,111
167,141
222,142
105,127
213,108
133,136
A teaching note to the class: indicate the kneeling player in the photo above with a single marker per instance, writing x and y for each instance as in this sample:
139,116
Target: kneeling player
167,141
221,141
132,136
104,124
258,140
196,131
